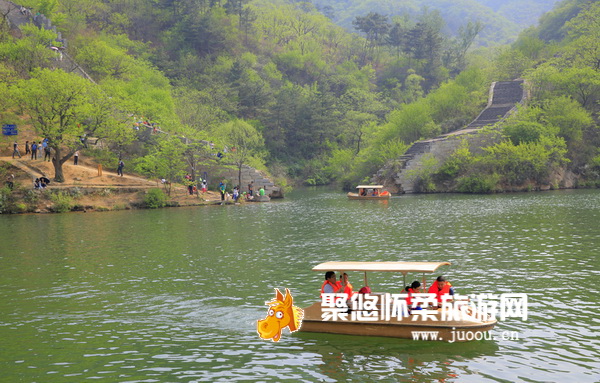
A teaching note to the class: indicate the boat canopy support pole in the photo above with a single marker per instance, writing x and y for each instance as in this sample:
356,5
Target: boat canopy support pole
366,284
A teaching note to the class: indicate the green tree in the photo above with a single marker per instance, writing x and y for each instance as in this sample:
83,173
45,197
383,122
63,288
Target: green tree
64,108
569,117
29,52
410,123
374,25
164,161
245,144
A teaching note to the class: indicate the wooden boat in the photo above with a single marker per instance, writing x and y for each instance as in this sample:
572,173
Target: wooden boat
370,192
452,325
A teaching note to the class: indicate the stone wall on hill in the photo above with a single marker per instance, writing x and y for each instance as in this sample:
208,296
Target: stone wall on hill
398,175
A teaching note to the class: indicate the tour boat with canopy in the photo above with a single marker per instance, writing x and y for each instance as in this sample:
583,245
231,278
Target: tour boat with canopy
370,192
386,317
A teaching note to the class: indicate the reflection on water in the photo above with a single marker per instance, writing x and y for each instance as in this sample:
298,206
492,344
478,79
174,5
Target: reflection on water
174,294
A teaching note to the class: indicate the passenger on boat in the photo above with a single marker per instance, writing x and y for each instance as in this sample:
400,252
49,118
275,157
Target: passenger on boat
414,288
365,290
330,285
440,288
347,285
363,192
376,192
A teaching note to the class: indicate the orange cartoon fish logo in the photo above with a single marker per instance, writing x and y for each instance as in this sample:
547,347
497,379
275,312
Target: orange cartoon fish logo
281,314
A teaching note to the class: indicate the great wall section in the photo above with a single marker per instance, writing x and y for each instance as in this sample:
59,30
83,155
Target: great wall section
15,16
398,175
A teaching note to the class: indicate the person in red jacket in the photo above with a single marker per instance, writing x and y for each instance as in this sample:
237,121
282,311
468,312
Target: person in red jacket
440,288
347,285
413,288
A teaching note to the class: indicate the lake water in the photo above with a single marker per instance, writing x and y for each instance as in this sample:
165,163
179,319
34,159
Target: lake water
173,295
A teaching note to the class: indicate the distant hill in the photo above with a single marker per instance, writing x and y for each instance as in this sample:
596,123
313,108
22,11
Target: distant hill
503,19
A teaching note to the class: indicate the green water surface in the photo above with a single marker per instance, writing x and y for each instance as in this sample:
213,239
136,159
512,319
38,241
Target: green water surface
173,295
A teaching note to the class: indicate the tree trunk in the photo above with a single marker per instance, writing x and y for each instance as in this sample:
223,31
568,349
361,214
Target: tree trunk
58,171
193,166
58,163
240,176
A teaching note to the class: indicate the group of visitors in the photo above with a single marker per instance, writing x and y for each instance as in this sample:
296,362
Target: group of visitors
225,196
191,184
440,288
33,149
143,122
363,192
40,183
235,194
250,194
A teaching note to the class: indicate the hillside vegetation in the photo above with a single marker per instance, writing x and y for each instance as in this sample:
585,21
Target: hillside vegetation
293,92
503,19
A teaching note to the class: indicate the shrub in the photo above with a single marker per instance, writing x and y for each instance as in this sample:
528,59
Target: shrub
423,176
62,202
155,198
524,131
106,158
530,161
7,200
478,183
75,192
457,164
20,207
106,192
31,197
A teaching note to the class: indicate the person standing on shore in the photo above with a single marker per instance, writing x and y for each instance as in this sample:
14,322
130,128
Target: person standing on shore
34,151
27,150
76,157
47,153
222,188
120,168
16,150
46,149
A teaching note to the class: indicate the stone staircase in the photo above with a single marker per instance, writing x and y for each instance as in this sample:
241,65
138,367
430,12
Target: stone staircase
503,100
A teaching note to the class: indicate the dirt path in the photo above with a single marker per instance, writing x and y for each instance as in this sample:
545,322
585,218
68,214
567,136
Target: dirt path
84,174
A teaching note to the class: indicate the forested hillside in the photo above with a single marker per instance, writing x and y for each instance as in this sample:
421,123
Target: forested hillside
276,80
503,19
279,72
554,140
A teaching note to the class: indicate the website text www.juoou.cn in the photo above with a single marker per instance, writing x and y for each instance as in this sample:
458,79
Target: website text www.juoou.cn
461,335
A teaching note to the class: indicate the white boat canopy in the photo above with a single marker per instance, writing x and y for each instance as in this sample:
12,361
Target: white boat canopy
398,267
369,187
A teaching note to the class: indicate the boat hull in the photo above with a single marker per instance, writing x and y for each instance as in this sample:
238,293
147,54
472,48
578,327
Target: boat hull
406,328
376,197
